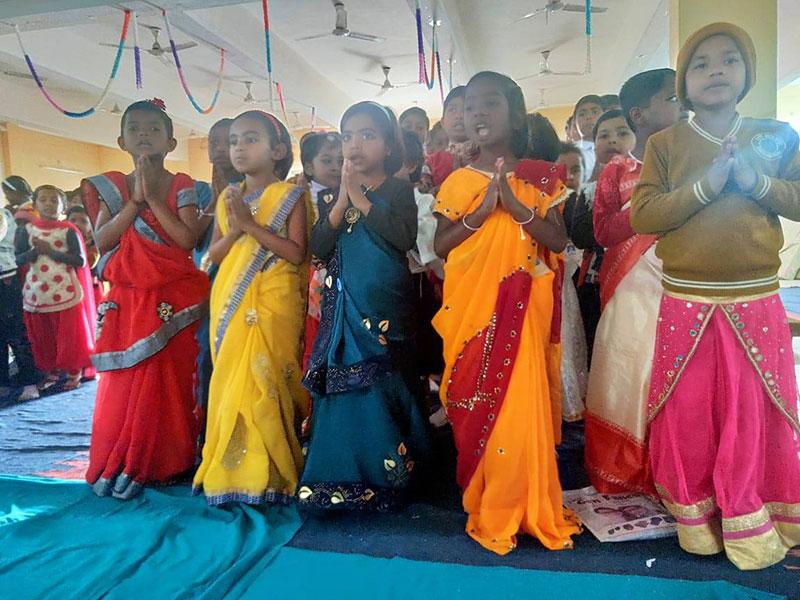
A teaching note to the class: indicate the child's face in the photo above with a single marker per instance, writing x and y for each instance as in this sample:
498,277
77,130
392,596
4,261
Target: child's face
486,113
664,109
716,73
251,151
438,140
586,116
613,137
453,121
48,203
326,168
363,144
417,124
81,221
574,164
145,134
74,200
219,147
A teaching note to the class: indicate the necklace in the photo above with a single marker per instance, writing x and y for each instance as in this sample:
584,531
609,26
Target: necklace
352,214
251,198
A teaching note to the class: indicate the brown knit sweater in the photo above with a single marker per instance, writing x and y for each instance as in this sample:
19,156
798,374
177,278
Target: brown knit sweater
725,244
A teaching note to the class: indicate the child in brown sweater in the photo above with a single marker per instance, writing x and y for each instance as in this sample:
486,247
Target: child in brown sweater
723,397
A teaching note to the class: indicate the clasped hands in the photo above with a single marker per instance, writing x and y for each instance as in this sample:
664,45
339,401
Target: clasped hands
730,162
499,192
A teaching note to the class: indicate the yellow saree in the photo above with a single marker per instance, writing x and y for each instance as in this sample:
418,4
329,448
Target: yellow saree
256,402
496,325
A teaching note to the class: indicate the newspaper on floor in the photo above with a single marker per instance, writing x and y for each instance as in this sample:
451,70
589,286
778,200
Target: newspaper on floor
620,517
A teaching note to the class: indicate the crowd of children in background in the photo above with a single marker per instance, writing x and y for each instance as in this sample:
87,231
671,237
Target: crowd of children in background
281,341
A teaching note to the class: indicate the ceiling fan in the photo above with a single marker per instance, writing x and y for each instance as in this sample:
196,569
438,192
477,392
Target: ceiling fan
559,6
545,70
248,98
387,85
340,28
157,50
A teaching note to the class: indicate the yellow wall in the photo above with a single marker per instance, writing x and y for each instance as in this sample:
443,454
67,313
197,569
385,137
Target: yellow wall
27,153
759,19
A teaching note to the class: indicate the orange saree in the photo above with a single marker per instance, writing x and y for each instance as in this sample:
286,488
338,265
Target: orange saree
496,326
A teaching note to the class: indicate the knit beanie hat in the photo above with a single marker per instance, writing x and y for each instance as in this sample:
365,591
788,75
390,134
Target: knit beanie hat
743,41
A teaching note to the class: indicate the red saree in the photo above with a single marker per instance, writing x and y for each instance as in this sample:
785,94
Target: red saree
144,428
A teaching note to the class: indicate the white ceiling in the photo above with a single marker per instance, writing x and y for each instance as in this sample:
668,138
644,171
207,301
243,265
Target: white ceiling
62,38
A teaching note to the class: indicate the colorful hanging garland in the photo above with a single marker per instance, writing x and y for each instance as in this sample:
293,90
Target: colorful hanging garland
423,72
182,76
588,36
90,111
137,54
268,50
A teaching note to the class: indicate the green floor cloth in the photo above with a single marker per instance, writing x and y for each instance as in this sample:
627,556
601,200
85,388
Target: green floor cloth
58,541
304,574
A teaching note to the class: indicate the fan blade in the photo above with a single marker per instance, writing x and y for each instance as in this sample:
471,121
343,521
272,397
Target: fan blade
530,15
114,46
370,82
365,37
165,61
566,73
312,37
185,46
527,77
582,9
405,84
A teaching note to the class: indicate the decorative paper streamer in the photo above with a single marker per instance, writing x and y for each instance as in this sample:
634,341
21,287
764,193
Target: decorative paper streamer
137,54
588,36
313,118
282,101
439,74
90,111
423,72
182,76
268,49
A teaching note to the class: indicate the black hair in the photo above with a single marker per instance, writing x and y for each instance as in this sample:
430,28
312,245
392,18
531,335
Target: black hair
414,110
62,196
277,134
17,185
78,208
457,92
386,124
639,90
313,142
222,122
517,114
606,116
414,154
570,148
608,100
148,106
588,99
543,141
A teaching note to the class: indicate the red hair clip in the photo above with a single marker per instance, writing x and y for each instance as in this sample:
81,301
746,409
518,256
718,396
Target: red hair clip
159,103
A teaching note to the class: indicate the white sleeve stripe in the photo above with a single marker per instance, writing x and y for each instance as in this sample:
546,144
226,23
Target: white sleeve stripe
700,194
765,187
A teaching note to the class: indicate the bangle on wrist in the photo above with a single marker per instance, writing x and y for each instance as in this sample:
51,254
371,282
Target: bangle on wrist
467,225
521,223
531,218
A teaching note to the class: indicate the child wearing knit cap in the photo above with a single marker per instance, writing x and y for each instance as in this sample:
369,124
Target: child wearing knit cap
723,411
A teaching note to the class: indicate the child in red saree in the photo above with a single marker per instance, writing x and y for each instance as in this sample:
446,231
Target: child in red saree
144,428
